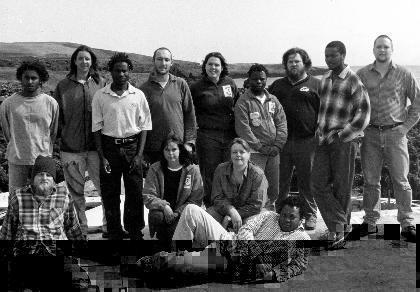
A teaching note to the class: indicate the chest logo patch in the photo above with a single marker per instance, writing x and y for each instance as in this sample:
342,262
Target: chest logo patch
227,91
304,89
271,107
187,184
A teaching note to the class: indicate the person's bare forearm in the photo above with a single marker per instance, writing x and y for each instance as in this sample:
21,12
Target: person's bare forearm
98,143
141,142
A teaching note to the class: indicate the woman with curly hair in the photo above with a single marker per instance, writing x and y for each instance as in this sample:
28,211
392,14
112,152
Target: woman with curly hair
29,120
214,96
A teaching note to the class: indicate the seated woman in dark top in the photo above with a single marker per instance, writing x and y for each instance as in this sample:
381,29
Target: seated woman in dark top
171,184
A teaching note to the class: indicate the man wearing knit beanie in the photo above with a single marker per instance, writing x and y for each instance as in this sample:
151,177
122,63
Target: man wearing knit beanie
43,175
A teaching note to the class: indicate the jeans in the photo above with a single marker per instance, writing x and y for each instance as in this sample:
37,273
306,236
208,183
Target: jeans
332,181
119,158
270,165
298,154
19,176
212,149
158,226
74,168
390,147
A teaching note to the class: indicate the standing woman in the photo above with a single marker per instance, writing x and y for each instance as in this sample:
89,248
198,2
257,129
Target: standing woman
214,97
171,184
77,146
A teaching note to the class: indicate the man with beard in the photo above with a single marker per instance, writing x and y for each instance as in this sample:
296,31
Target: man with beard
298,93
120,121
390,86
343,115
171,106
37,216
260,121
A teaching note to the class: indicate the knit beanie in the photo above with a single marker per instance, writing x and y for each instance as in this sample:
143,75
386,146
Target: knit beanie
44,164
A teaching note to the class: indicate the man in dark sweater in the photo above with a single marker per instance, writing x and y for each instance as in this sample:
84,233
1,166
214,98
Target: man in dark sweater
170,104
298,94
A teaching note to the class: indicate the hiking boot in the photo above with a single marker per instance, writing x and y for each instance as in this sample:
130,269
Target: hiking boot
327,236
409,233
310,223
338,243
124,235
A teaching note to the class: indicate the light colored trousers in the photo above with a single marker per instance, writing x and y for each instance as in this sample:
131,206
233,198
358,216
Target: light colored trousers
390,147
198,226
74,168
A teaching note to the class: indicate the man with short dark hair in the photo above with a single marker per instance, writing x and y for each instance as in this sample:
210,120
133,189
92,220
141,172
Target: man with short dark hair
171,106
298,93
120,121
390,86
260,121
343,115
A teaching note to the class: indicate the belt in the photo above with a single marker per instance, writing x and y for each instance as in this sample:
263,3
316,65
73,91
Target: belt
385,127
120,141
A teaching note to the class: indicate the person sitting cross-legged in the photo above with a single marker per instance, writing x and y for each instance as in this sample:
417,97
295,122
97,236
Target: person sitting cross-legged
171,184
269,246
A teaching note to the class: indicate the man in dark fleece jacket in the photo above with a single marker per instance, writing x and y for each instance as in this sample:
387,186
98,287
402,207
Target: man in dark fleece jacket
298,94
170,104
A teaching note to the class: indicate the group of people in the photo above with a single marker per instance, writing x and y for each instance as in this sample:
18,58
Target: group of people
247,146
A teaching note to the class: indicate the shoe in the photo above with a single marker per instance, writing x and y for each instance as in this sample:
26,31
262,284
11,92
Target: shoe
409,233
310,223
338,243
364,229
124,235
327,236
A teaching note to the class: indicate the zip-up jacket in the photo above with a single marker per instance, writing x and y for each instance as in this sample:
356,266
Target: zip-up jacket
214,103
75,119
190,189
260,124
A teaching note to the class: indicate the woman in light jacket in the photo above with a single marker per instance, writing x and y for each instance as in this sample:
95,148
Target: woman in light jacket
171,184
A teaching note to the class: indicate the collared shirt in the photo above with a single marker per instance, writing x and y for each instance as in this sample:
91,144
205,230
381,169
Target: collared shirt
172,110
120,116
345,107
30,127
247,199
47,220
260,124
389,95
75,104
300,102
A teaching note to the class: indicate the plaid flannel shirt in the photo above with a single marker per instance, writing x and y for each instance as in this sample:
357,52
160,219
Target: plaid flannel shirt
388,95
261,242
35,224
344,109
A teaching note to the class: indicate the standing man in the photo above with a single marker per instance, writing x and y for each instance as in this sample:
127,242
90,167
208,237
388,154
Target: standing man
343,115
389,86
120,119
29,120
260,121
298,93
171,106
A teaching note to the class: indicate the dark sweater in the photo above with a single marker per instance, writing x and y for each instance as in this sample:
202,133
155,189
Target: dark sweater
214,103
300,103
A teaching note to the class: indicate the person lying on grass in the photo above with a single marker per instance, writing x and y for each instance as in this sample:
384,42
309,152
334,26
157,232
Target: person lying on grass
269,247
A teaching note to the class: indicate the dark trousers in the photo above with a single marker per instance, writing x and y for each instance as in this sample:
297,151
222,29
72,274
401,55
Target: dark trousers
298,154
158,226
119,158
332,181
212,149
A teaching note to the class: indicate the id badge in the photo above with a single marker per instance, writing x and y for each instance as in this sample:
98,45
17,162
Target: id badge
227,91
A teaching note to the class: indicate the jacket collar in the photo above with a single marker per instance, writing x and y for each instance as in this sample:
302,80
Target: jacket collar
372,66
153,77
229,169
130,90
249,94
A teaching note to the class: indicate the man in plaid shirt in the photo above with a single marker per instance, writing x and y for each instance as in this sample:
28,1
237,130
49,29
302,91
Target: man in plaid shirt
41,212
268,247
390,86
343,115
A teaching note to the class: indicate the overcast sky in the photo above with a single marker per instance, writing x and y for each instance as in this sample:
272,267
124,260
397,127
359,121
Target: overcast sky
242,30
